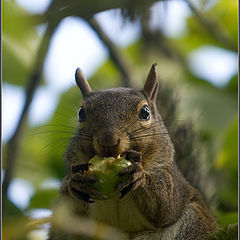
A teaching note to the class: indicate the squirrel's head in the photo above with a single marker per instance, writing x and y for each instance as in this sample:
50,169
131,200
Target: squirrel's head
115,120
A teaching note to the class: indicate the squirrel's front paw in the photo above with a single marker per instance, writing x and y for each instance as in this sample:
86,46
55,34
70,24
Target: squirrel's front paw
134,173
80,185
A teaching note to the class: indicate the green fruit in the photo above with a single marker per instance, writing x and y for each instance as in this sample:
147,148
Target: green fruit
106,171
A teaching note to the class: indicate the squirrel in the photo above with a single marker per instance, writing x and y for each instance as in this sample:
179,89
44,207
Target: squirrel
155,202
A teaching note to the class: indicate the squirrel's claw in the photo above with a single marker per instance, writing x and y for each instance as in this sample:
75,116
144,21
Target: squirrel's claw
80,167
79,178
132,178
135,178
81,195
132,155
130,188
132,169
85,192
80,187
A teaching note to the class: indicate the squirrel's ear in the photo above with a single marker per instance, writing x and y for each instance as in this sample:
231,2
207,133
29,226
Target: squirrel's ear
151,85
82,82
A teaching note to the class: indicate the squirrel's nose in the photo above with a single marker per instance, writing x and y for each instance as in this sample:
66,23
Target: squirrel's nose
108,140
109,144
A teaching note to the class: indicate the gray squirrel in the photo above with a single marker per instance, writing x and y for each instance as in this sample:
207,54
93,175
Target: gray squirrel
156,201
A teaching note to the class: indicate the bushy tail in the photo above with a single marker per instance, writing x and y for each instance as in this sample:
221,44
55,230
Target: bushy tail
190,154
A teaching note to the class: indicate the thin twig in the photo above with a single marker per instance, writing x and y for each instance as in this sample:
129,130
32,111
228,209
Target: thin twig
115,55
13,145
217,31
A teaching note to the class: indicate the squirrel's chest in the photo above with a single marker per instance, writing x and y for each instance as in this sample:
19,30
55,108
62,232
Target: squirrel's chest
122,214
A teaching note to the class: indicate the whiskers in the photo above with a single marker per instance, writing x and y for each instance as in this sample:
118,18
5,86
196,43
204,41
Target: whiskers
84,136
51,138
152,135
149,130
56,145
54,130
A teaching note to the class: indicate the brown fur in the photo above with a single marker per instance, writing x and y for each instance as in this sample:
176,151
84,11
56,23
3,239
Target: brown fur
160,204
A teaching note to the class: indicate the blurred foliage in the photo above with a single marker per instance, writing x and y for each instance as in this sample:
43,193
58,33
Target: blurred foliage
44,198
20,42
213,109
227,165
230,232
224,12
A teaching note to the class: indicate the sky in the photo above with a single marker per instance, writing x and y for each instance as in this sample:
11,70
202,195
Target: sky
217,65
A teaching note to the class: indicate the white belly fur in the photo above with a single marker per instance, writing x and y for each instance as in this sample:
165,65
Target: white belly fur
120,213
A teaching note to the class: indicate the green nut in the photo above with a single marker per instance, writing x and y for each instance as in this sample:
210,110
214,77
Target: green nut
106,171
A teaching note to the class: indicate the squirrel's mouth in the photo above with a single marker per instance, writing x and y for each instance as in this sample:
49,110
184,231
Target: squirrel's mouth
113,151
109,148
109,152
110,144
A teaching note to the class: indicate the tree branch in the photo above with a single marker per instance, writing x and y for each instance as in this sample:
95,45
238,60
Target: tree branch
115,55
13,145
60,9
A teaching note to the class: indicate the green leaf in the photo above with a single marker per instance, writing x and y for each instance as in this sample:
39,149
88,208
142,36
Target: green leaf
228,156
224,14
233,85
16,62
213,108
227,165
14,221
43,198
11,210
107,76
20,42
230,232
224,219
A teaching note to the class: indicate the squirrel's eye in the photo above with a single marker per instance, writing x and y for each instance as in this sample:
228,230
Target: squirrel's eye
81,115
144,113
